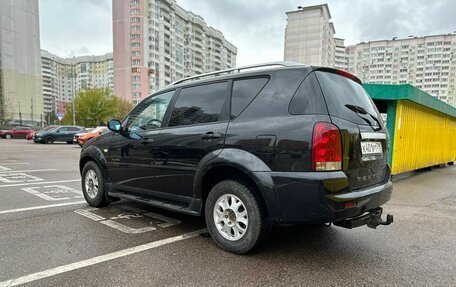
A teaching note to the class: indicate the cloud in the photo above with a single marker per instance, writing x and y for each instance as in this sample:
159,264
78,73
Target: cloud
255,27
76,27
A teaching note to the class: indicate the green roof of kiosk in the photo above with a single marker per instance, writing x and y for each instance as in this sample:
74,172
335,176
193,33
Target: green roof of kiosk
408,92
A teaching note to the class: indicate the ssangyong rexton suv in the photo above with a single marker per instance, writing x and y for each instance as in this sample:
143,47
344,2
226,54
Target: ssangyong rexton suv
248,147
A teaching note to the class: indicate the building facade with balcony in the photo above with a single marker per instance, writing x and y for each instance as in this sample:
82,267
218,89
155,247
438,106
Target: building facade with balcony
157,42
427,62
309,36
63,77
21,99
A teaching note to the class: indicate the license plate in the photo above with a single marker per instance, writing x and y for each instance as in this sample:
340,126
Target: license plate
368,148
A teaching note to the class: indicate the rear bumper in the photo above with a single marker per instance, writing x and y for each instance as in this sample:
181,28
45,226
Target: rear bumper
321,197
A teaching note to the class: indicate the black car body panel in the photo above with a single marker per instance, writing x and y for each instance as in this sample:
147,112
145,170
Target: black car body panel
268,142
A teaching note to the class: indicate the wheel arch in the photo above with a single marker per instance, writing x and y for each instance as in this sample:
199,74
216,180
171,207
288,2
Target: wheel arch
239,165
93,154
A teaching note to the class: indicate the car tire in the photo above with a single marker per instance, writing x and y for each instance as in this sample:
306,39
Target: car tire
49,140
69,142
94,186
8,136
228,202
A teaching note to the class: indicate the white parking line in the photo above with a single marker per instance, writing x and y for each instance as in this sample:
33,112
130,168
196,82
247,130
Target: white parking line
40,207
35,183
30,170
98,259
21,163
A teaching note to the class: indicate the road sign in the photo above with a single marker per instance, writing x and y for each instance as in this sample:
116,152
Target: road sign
60,116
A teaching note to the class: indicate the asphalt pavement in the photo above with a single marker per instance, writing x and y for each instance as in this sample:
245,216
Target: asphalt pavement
49,236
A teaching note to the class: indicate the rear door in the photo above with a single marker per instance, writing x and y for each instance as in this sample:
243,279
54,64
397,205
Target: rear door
197,126
364,136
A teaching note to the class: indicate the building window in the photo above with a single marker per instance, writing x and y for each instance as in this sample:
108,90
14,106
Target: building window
135,78
136,86
136,62
135,28
135,53
135,36
134,3
134,11
135,20
136,95
135,45
136,70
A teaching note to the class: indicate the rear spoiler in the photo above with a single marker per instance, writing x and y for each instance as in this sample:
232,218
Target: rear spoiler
338,72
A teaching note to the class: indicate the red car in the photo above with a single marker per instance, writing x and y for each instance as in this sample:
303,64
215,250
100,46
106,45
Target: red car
16,132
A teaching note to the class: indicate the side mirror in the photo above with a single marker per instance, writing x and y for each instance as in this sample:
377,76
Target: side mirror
114,125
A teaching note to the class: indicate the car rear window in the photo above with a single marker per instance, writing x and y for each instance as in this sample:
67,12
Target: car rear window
340,91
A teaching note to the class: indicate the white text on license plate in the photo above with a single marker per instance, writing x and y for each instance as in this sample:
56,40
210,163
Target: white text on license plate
371,148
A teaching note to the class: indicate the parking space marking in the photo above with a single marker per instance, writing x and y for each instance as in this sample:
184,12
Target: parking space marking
21,163
40,207
4,168
99,259
18,177
44,182
134,213
54,192
31,170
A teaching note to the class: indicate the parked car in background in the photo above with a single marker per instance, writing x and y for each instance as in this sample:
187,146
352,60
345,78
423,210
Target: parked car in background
82,138
16,132
31,135
57,134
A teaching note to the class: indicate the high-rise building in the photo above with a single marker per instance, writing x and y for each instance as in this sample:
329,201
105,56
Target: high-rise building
427,62
157,42
63,77
309,36
340,54
20,62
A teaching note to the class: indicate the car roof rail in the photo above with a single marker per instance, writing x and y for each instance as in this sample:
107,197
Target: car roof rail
237,70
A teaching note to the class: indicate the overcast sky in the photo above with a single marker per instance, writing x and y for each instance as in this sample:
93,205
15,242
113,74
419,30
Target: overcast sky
83,27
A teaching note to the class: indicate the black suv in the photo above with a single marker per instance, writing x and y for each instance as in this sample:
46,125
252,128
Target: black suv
249,147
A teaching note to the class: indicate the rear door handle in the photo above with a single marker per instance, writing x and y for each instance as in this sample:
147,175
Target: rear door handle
211,135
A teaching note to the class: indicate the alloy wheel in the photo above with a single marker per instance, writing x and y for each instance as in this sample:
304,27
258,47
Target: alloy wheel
230,217
91,183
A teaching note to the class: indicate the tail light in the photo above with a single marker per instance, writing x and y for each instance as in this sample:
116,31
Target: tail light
326,147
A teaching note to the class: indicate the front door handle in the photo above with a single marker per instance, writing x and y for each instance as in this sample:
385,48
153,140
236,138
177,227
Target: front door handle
211,135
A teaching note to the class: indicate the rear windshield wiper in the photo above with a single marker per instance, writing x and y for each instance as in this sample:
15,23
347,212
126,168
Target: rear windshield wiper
360,110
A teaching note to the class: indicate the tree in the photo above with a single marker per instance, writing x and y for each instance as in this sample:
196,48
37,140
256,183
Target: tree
124,107
93,107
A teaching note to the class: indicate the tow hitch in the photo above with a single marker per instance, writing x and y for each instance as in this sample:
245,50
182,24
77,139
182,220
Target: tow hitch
371,219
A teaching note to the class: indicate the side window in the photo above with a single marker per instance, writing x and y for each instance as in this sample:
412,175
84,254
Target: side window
73,129
308,99
149,114
244,91
63,129
201,104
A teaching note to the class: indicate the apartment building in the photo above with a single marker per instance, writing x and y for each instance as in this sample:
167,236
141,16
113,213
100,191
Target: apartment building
20,62
340,54
63,77
309,36
157,42
427,62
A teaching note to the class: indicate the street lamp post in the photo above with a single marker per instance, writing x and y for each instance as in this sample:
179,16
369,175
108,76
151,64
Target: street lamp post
72,77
